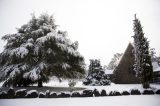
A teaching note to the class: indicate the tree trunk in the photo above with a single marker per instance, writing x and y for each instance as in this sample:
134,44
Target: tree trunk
146,85
40,84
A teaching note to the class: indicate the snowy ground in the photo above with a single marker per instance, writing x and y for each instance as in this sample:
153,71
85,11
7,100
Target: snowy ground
140,100
56,86
131,100
112,87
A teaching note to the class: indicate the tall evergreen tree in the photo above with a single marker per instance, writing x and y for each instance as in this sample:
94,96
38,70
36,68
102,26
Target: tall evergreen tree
143,65
37,51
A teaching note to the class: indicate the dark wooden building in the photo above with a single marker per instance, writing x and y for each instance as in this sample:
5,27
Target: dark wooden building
123,73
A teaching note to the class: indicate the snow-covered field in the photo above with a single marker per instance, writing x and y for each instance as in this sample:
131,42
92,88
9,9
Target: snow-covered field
147,100
63,87
112,87
131,100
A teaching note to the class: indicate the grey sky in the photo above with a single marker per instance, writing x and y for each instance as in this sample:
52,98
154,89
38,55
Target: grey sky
102,27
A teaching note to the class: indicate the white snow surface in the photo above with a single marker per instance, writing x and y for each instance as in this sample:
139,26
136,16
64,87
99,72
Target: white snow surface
137,100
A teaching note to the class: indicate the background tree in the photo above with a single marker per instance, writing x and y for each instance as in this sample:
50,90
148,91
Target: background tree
96,75
114,61
143,65
37,51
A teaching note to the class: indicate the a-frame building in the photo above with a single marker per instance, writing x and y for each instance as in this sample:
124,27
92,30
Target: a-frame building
123,73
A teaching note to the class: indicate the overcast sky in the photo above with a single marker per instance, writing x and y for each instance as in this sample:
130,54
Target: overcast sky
102,27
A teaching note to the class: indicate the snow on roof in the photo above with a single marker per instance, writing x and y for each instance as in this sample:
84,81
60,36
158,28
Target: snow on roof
156,67
108,71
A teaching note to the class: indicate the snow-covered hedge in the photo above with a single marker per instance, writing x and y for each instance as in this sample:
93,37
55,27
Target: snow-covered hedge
11,93
96,93
53,95
148,92
114,93
42,95
3,95
32,94
87,93
64,95
125,93
76,94
22,93
103,93
135,92
158,91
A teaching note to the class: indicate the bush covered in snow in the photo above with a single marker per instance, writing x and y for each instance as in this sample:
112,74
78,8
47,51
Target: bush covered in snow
125,93
53,95
158,91
148,92
71,84
11,93
41,95
64,95
76,94
32,94
96,75
96,93
114,93
135,92
47,93
103,93
21,93
87,93
3,95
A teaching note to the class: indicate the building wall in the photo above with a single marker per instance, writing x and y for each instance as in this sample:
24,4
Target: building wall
156,77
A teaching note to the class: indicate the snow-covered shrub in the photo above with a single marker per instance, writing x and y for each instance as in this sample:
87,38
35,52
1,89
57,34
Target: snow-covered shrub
76,94
11,93
96,92
158,91
32,94
87,93
53,95
21,93
42,95
71,84
47,94
3,95
125,93
103,93
96,75
64,95
148,92
135,92
114,93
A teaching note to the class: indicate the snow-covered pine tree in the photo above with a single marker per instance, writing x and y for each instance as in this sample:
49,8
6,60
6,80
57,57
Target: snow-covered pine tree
143,65
36,52
96,75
